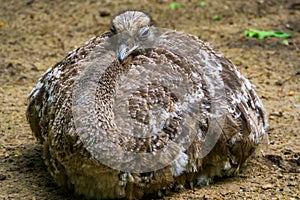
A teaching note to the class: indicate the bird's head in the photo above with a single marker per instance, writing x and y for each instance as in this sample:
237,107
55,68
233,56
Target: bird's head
131,29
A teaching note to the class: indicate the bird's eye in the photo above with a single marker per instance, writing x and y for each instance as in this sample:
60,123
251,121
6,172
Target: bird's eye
144,32
113,29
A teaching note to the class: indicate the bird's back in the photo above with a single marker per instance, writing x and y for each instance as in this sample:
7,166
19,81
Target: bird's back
184,111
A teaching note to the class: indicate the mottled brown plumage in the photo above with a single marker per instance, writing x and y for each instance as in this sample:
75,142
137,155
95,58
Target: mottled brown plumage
153,106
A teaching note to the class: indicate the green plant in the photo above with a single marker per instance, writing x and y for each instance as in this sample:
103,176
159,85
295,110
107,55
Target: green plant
263,34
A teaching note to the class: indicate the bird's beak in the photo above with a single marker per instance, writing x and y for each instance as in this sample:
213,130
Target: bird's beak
125,49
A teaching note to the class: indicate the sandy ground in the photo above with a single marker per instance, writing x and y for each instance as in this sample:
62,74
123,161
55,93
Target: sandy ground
34,35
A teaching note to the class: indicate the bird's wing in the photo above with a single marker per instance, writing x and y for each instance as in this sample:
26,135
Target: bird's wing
50,93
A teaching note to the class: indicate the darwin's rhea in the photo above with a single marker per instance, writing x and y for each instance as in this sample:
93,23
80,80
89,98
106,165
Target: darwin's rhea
141,110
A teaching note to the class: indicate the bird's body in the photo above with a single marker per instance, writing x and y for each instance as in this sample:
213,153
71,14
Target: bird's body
139,87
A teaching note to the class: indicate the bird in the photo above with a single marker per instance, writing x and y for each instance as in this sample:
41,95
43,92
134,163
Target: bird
142,110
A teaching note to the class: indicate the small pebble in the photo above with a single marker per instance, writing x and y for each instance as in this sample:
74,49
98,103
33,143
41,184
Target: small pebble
2,177
291,93
267,186
104,13
272,117
244,189
287,152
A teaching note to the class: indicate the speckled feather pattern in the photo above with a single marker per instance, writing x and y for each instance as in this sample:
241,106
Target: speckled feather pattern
50,116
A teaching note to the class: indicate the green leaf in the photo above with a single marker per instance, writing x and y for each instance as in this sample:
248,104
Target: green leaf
263,34
174,6
202,3
217,17
285,42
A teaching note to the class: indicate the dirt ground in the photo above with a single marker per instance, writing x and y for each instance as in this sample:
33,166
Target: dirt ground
34,35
